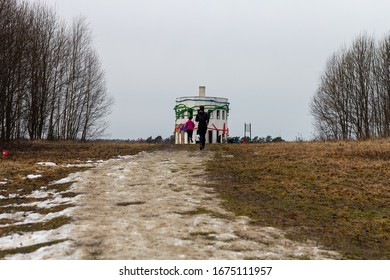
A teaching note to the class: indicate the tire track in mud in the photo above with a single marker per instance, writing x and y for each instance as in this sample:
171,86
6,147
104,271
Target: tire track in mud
159,206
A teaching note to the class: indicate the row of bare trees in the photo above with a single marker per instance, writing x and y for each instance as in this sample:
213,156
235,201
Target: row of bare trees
51,80
353,97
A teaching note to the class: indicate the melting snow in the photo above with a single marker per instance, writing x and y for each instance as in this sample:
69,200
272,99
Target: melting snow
17,240
60,251
22,239
52,198
20,218
71,178
165,227
32,176
82,165
47,163
39,194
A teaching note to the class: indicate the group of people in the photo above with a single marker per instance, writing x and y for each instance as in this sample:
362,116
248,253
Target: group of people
202,118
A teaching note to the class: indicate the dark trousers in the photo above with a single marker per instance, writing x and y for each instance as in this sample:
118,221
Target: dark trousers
189,134
202,136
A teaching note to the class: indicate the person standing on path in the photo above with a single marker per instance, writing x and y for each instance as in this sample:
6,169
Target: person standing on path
203,120
190,125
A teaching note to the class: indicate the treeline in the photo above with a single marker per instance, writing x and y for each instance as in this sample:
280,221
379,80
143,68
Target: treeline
353,97
51,80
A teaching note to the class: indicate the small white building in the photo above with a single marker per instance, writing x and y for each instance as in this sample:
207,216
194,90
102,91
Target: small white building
216,107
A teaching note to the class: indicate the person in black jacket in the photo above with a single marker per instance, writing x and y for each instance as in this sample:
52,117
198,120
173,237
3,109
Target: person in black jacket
203,120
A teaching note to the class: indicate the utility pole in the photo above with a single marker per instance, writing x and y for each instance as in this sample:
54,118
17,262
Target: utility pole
248,129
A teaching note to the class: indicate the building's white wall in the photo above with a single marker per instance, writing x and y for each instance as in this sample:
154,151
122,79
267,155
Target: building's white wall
218,116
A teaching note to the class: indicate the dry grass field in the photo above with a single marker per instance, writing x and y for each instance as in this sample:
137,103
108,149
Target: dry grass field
336,193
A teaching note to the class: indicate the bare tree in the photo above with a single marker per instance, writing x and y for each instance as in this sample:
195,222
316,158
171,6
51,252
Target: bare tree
332,99
13,75
362,55
51,80
382,73
86,99
59,66
41,36
352,98
96,103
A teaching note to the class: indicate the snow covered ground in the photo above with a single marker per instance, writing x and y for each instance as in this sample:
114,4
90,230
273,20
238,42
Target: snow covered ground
48,198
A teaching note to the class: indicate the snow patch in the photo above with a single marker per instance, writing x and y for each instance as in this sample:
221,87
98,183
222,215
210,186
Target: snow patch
88,163
47,164
81,165
60,251
33,176
74,177
20,218
13,195
39,194
17,240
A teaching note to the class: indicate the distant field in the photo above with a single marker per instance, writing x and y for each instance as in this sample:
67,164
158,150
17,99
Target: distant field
69,156
336,193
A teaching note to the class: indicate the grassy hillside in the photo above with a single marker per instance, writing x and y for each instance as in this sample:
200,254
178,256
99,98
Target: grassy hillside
335,193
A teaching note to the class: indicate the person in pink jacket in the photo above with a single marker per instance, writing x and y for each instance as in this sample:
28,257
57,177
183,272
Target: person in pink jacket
190,125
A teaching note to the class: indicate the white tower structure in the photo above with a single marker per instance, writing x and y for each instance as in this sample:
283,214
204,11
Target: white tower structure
216,107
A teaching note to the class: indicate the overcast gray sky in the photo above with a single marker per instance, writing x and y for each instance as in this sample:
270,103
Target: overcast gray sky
265,56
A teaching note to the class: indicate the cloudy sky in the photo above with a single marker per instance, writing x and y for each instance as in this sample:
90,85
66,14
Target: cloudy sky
265,56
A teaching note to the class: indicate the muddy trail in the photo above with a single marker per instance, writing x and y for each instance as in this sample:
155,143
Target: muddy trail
161,205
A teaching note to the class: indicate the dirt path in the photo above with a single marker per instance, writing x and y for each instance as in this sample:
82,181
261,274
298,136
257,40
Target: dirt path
155,206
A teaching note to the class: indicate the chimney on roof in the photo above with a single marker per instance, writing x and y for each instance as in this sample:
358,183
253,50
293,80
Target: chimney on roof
202,91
